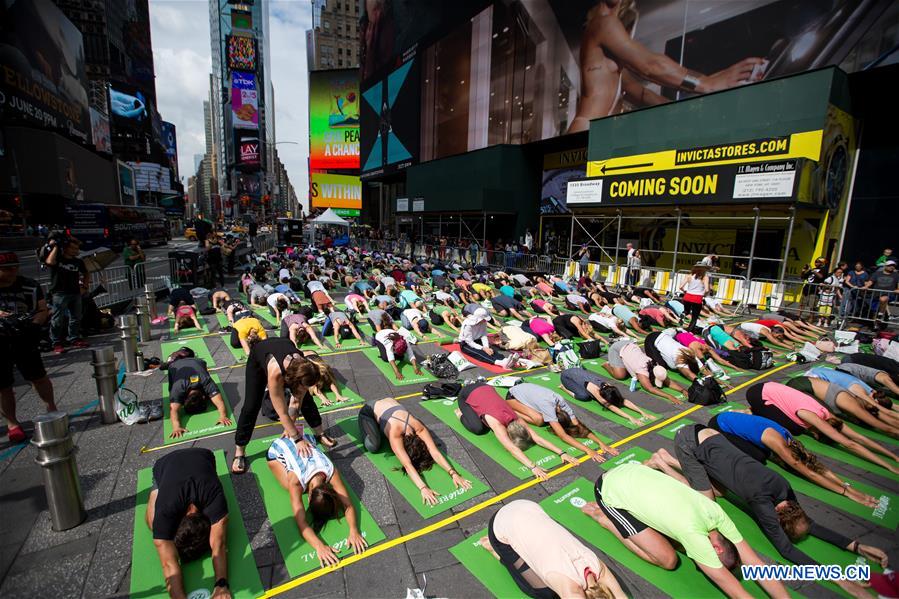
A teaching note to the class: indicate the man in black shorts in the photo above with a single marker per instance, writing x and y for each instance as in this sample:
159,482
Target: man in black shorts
188,514
20,298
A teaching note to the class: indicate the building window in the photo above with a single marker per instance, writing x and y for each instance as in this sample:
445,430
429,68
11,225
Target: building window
340,62
339,51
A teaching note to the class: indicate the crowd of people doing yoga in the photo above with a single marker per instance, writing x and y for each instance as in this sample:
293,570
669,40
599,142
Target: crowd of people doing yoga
511,321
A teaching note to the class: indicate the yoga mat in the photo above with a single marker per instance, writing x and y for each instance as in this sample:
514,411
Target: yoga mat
485,567
197,344
410,378
263,313
354,399
365,331
191,331
222,319
451,347
564,506
146,571
237,352
436,478
197,425
885,514
552,381
444,410
839,454
299,557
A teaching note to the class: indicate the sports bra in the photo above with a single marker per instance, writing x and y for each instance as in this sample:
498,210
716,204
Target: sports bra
388,414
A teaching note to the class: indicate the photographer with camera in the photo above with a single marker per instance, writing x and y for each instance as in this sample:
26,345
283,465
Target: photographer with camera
23,310
68,279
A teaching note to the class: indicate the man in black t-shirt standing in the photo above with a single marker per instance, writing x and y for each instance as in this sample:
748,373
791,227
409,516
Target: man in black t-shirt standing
20,297
885,280
188,514
68,279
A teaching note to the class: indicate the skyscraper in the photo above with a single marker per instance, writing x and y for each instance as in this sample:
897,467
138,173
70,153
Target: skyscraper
333,41
242,109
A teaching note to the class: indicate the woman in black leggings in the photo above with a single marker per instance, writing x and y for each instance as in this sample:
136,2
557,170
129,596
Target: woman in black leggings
278,365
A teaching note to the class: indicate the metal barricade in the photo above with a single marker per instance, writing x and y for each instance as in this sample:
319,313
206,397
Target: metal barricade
729,289
117,283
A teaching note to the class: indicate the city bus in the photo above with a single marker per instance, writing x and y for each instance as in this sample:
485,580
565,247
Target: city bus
97,225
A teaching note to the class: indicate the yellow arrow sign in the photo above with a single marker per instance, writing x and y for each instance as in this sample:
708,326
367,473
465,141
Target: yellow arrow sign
797,145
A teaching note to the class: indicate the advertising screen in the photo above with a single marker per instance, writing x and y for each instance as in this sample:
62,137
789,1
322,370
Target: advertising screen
520,72
241,19
170,143
128,108
335,191
126,184
241,53
100,132
334,119
249,155
43,80
390,126
244,100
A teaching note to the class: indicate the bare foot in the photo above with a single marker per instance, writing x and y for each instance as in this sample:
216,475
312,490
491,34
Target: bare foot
593,510
485,543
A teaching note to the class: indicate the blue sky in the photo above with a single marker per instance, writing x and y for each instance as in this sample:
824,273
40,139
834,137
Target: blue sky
181,52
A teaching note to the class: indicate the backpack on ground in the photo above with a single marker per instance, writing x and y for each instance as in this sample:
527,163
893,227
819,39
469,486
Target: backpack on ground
440,366
564,356
750,359
590,349
441,390
705,391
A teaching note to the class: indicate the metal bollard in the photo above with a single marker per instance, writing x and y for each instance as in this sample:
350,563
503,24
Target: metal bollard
56,456
105,374
150,294
142,313
128,329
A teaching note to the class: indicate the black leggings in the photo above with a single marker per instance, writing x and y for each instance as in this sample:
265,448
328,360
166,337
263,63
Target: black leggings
372,436
235,339
521,573
254,392
470,420
693,310
480,354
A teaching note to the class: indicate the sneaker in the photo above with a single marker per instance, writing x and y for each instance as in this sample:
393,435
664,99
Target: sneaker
16,434
80,344
58,348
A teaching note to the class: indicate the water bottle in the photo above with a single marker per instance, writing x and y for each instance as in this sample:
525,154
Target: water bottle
633,385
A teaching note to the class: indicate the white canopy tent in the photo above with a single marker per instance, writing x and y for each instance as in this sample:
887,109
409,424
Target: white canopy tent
327,218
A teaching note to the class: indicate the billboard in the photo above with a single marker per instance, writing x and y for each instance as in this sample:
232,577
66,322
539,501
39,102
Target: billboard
515,73
170,143
389,125
100,131
42,74
241,53
558,169
128,108
249,155
334,119
244,100
149,176
335,191
127,191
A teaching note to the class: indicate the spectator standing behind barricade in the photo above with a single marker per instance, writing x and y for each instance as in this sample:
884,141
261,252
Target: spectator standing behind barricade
473,249
829,293
583,256
853,282
887,255
885,282
631,250
635,263
68,277
813,278
215,261
133,256
23,310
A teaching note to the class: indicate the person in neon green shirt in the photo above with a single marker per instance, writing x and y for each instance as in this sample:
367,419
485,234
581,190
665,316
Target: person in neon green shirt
887,255
642,506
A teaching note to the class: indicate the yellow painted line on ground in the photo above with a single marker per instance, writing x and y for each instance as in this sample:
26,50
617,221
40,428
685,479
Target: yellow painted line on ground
292,584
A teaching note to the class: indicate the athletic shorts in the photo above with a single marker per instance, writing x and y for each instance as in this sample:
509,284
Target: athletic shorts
615,352
26,357
625,522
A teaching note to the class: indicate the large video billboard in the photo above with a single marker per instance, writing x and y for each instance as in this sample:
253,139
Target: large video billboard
42,74
129,108
244,100
170,143
334,119
514,73
241,53
335,191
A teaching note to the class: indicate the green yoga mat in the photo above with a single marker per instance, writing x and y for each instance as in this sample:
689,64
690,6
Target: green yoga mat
885,514
197,425
190,331
552,380
197,344
841,455
410,378
299,557
146,571
436,478
564,506
444,410
236,352
222,319
485,567
354,399
263,313
365,331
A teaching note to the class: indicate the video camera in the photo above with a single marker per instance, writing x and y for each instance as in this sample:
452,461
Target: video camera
17,326
59,238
